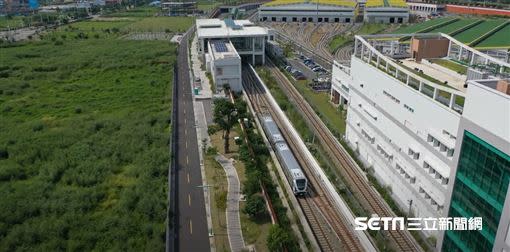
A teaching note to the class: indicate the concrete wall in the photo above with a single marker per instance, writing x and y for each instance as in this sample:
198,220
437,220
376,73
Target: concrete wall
227,71
386,15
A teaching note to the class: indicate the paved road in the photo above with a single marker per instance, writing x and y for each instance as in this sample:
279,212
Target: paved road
192,233
235,233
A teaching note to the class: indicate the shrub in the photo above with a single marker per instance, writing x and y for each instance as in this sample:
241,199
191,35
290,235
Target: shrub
255,206
4,154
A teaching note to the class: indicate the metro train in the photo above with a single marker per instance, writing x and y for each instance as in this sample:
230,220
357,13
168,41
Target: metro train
291,168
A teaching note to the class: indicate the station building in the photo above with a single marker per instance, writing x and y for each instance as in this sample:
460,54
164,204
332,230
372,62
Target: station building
386,11
409,116
225,44
224,64
321,11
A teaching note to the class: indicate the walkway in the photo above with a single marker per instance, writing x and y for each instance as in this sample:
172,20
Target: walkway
235,233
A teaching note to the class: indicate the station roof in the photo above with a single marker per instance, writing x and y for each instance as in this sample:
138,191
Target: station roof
217,28
346,3
386,3
222,49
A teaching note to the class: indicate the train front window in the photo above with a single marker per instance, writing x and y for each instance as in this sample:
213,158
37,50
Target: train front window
301,183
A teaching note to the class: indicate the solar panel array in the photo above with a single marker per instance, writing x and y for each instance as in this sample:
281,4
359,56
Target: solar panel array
220,46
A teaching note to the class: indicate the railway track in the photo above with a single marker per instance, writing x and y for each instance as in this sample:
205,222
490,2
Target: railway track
317,204
402,240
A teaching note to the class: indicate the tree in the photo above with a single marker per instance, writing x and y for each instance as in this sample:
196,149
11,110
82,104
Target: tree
225,115
255,206
280,239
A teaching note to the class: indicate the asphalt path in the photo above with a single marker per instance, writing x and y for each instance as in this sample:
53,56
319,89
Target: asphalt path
192,233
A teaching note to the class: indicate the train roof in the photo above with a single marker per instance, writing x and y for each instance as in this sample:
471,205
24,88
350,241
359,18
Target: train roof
272,128
290,161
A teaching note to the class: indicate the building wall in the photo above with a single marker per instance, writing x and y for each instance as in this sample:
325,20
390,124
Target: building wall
306,13
457,9
427,48
227,71
383,130
482,189
392,15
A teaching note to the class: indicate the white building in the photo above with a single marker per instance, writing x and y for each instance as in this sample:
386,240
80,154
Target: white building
425,9
332,11
224,64
481,172
248,39
403,119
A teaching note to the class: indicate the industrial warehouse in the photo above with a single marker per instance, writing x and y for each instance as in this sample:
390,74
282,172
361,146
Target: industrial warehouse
326,11
334,11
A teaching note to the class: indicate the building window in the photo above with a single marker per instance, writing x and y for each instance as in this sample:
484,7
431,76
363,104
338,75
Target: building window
408,108
284,19
326,19
347,20
264,19
273,19
310,19
294,19
449,152
303,19
430,138
219,71
413,180
337,20
319,20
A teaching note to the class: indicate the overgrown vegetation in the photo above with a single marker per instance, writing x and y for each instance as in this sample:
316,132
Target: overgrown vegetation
84,142
343,39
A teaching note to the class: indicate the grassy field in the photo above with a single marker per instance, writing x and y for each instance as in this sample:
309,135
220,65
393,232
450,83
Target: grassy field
450,65
84,141
161,24
499,39
412,28
140,12
341,40
320,103
454,26
475,32
337,42
11,22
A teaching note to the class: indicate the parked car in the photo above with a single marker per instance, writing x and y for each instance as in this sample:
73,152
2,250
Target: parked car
288,68
307,61
302,57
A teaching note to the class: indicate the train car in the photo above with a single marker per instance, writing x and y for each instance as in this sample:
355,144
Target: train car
291,168
271,129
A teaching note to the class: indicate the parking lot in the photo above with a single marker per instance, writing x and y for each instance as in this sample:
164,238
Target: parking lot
302,68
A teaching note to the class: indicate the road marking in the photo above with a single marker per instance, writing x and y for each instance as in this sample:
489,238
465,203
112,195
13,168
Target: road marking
185,132
184,111
186,144
187,160
190,227
184,120
189,199
188,178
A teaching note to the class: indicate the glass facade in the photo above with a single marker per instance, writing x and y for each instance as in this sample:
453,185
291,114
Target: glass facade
481,184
